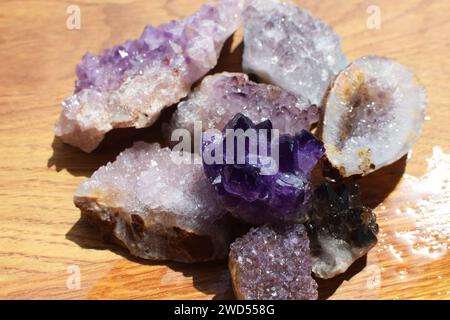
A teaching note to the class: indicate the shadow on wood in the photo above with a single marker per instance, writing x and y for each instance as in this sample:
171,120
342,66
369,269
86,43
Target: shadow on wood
377,186
79,163
211,278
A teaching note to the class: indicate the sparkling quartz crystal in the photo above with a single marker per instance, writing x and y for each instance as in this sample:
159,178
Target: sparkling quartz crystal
373,115
221,96
272,263
286,46
157,207
340,228
260,188
128,85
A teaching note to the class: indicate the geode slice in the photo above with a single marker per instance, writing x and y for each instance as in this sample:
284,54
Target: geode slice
129,84
373,115
156,208
261,178
286,46
340,229
221,96
272,263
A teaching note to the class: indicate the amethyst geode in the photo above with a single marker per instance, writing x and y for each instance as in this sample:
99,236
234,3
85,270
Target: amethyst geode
261,187
129,84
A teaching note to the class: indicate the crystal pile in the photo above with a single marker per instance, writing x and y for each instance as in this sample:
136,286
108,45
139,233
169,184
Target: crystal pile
272,263
373,115
221,96
129,84
263,190
157,207
286,46
340,228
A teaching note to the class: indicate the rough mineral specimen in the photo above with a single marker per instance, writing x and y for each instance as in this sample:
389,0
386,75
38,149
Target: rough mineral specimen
340,228
129,84
373,115
262,187
156,207
221,96
272,263
286,46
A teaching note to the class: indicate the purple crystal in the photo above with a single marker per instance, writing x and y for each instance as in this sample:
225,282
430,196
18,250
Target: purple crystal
251,192
129,84
219,97
272,263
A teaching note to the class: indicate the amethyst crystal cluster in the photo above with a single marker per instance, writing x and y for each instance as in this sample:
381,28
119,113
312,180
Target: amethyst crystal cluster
273,263
263,187
129,84
249,174
286,46
219,97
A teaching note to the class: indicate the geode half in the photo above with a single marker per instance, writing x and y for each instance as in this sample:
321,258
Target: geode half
340,228
157,207
261,187
372,116
272,263
286,46
129,84
219,97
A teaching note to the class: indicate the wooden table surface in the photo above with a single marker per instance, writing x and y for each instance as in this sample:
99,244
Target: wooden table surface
43,244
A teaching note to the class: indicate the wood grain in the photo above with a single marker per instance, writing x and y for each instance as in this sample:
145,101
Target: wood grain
40,232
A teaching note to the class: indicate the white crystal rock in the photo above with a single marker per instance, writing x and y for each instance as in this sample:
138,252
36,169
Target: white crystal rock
286,46
220,97
373,115
129,85
156,208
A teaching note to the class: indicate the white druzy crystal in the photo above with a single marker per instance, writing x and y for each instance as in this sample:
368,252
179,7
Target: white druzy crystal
286,46
373,115
156,206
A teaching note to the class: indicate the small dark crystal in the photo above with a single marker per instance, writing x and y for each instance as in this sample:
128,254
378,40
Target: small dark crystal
340,228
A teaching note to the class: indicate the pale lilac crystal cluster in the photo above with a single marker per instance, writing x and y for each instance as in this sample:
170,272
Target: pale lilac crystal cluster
129,84
286,46
263,187
221,96
272,263
157,207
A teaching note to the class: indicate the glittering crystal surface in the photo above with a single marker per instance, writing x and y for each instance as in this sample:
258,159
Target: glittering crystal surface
273,264
340,228
156,208
253,194
221,96
129,84
286,46
373,115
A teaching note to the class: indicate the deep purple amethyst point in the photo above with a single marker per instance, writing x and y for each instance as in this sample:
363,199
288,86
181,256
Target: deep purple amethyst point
247,189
